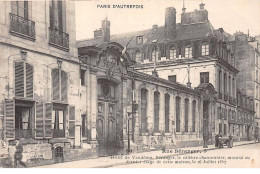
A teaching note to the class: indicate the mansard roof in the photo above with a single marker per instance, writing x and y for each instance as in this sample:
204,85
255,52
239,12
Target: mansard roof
158,35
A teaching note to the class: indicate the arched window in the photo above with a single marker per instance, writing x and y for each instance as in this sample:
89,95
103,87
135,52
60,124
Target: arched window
178,102
138,56
155,54
172,53
188,51
193,115
205,49
186,123
167,110
156,111
144,104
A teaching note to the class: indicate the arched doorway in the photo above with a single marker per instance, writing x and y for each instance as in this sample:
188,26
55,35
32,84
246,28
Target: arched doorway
106,119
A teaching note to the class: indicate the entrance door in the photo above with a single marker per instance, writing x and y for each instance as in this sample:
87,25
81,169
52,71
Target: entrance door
106,129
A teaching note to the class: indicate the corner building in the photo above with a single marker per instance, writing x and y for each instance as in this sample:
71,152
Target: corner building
40,81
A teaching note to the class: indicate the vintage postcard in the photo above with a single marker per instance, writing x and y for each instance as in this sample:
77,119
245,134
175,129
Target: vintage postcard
130,84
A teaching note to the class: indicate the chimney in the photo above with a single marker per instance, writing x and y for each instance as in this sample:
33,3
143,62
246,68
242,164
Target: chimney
106,30
170,21
202,6
97,33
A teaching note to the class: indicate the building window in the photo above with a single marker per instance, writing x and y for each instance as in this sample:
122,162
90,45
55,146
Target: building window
225,83
144,104
59,85
234,87
139,40
256,60
167,110
204,77
205,49
188,52
256,109
256,93
82,77
57,36
178,121
220,82
156,111
229,85
23,122
58,123
23,80
155,54
106,89
193,115
172,78
20,8
172,53
138,56
186,123
220,128
225,129
84,125
256,75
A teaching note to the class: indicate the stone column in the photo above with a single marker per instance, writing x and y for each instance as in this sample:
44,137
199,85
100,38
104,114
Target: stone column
150,110
93,105
124,109
162,112
190,116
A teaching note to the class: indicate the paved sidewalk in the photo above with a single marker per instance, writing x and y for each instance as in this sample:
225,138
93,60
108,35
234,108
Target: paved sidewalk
103,162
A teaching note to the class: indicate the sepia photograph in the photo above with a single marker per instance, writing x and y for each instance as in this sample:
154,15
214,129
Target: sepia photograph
129,84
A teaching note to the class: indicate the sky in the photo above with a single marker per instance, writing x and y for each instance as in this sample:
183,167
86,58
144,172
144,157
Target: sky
231,15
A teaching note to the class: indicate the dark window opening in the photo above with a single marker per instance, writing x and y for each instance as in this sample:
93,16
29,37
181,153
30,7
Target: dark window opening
193,115
58,123
82,77
22,122
144,104
167,110
186,123
178,100
204,77
156,111
84,125
172,78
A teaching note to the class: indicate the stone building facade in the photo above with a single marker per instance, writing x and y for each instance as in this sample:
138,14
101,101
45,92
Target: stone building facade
248,60
40,81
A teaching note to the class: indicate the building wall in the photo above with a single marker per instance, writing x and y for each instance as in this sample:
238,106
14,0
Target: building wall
43,57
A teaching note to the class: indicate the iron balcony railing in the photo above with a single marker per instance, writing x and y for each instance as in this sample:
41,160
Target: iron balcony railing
59,39
22,27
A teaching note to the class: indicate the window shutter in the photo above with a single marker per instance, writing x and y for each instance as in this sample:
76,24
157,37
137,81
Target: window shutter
19,79
55,84
39,132
71,121
47,120
9,119
64,84
29,81
183,52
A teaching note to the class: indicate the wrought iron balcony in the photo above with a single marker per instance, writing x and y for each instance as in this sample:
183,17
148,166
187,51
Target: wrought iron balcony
22,27
59,39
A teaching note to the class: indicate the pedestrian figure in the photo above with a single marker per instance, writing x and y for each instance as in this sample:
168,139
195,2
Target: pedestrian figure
216,140
230,141
18,154
220,142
